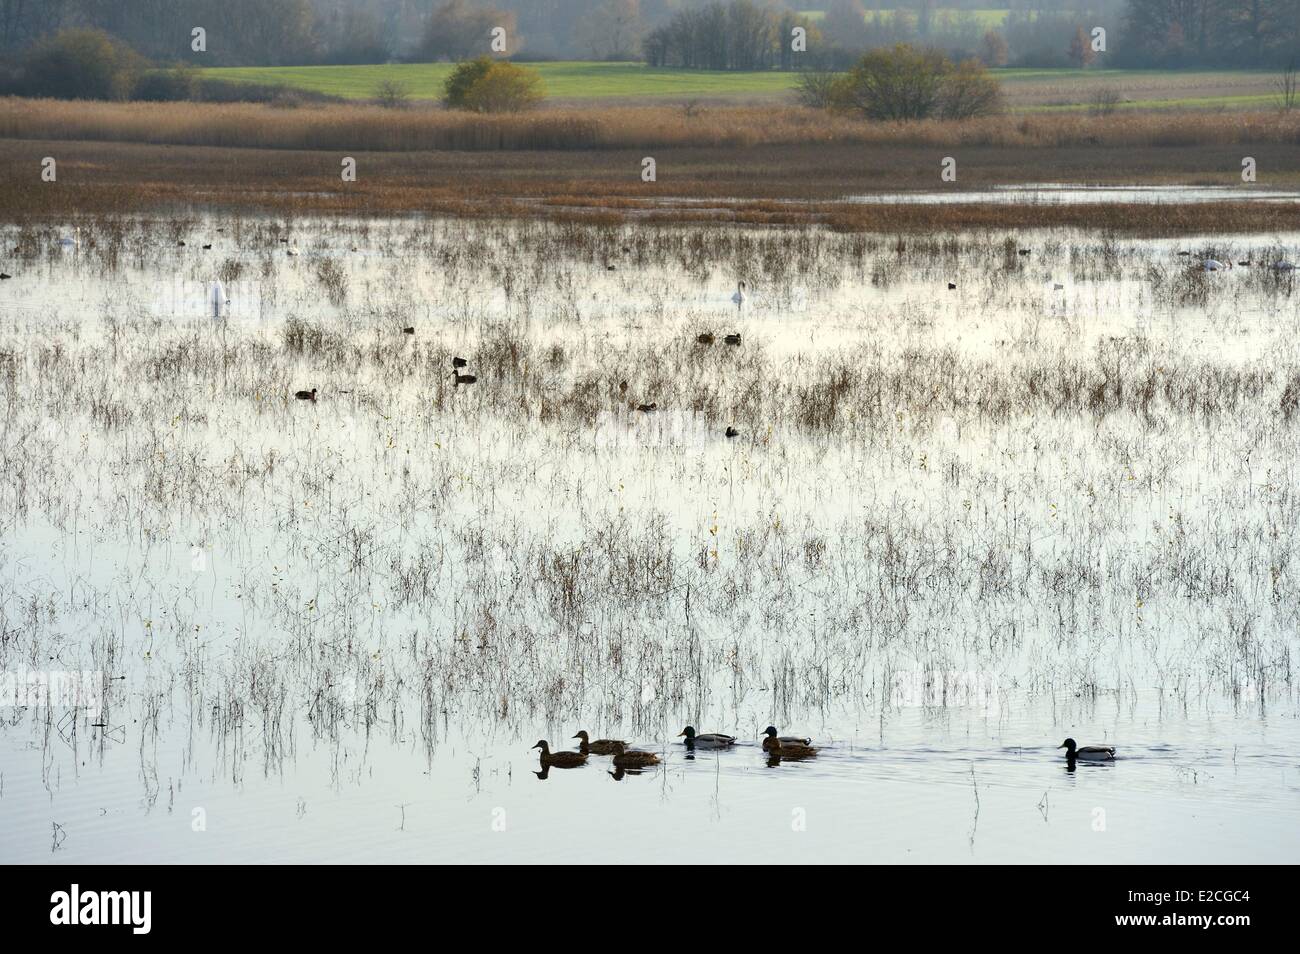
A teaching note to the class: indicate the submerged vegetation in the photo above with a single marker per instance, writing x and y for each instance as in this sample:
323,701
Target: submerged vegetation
1070,510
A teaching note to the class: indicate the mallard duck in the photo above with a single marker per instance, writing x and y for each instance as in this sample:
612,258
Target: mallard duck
599,747
306,395
773,741
788,750
560,759
709,740
633,759
705,338
1089,753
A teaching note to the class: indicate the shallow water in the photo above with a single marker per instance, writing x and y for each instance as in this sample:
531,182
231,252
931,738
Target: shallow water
275,695
1061,194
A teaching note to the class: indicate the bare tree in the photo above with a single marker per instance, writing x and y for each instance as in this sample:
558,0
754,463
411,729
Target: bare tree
1286,87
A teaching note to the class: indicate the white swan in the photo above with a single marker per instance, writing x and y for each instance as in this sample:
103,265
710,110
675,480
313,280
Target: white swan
1214,265
72,241
293,251
739,297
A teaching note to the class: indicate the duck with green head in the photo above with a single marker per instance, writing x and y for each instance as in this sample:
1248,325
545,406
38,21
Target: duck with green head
707,740
1089,753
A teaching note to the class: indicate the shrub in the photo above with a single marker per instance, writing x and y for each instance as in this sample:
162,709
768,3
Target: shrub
392,95
969,91
907,83
484,85
167,86
819,89
81,64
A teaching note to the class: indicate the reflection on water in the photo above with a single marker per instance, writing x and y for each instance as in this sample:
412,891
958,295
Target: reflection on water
1061,194
958,525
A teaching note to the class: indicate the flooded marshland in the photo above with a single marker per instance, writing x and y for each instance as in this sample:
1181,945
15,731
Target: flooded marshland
984,492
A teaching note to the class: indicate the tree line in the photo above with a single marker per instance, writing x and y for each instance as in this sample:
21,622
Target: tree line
695,34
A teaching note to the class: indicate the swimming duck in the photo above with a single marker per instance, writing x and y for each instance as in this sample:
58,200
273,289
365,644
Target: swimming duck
599,747
951,286
709,740
633,759
306,395
1089,753
409,330
732,432
559,759
458,362
464,378
773,741
732,339
705,338
647,408
788,750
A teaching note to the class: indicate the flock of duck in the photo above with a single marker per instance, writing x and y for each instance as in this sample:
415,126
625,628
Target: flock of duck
777,747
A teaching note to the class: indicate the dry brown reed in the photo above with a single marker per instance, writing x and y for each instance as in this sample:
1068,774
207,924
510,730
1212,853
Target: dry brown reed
383,130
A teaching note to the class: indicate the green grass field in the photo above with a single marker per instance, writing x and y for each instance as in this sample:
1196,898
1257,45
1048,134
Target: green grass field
1028,90
564,80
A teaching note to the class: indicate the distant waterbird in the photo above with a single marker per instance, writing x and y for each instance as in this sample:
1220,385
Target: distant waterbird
409,330
306,395
597,747
559,759
5,276
647,408
951,286
739,297
706,740
458,362
732,339
623,758
731,431
704,338
771,740
1089,753
788,750
464,378
1214,265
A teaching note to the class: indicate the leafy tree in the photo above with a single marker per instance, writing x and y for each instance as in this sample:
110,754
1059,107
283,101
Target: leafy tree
81,64
995,51
458,31
484,85
910,83
1081,51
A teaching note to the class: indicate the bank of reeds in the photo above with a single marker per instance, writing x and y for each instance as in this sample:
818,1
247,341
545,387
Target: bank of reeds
374,129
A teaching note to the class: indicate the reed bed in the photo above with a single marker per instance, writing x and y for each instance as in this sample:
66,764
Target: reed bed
348,127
